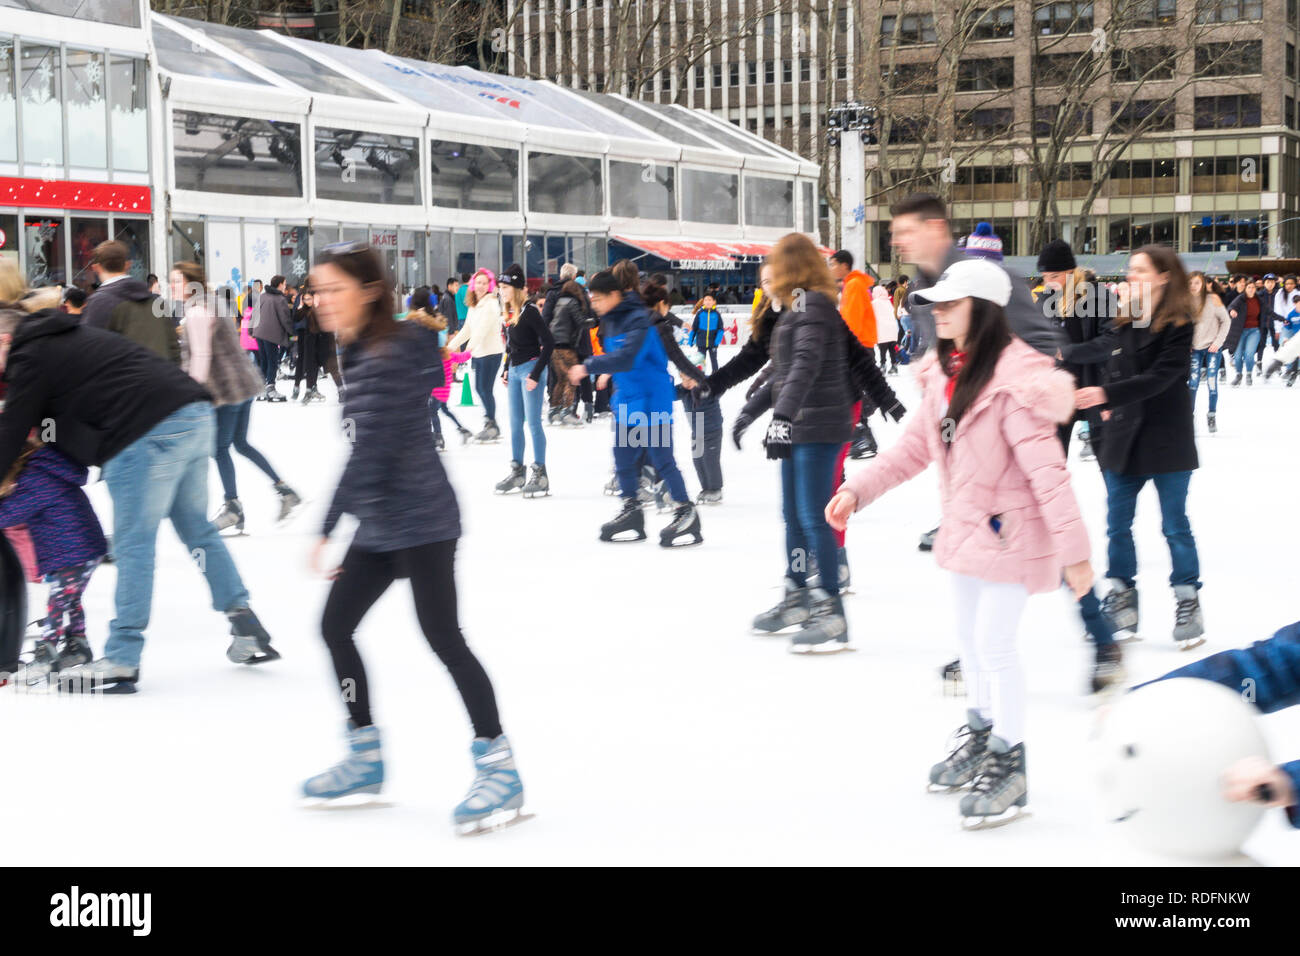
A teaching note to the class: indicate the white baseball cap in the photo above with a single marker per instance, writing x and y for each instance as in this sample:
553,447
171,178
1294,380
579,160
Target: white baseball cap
976,278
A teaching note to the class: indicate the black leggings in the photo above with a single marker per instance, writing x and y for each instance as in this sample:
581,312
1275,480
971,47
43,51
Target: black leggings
431,568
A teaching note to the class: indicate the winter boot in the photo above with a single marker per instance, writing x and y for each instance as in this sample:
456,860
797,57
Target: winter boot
1107,668
1236,381
1210,423
1120,605
686,521
231,515
496,787
792,610
864,443
630,518
1000,792
1189,626
513,481
959,769
489,433
252,645
826,630
538,484
953,683
361,771
288,500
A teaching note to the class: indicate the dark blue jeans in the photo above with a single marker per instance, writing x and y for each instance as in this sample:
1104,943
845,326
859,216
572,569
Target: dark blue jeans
232,429
807,480
1121,504
485,380
652,444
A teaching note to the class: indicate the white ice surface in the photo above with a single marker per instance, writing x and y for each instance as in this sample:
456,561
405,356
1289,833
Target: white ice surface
650,726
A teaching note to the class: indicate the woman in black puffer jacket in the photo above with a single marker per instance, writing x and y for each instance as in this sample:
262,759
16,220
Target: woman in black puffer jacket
816,376
408,525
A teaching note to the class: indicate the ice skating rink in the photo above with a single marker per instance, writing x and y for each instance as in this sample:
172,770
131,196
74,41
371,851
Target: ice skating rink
650,725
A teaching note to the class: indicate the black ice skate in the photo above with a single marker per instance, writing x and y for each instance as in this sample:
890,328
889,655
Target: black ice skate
1120,605
792,610
490,433
252,645
959,769
864,443
231,515
1000,793
439,443
1236,381
709,497
954,685
826,631
513,481
313,395
288,500
1189,626
1108,668
538,486
466,436
630,519
98,677
273,394
1274,367
686,521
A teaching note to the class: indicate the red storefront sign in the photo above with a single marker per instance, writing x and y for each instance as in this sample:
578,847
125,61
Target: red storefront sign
69,194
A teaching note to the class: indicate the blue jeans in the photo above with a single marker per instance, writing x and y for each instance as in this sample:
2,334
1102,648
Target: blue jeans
268,360
1121,503
1205,359
526,406
807,480
1246,350
652,444
485,379
232,429
164,474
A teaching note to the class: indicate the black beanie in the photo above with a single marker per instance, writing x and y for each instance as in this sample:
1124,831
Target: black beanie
1057,256
603,282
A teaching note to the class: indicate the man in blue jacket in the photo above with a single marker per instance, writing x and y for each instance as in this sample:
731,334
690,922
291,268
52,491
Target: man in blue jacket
642,406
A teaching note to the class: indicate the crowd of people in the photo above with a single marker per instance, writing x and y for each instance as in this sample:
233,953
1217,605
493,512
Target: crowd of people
148,392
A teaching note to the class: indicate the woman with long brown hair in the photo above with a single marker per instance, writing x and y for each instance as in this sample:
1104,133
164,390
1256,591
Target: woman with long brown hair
1149,435
482,330
528,358
1212,325
408,525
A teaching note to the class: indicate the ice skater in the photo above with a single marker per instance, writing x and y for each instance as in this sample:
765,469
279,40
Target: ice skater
408,526
1010,523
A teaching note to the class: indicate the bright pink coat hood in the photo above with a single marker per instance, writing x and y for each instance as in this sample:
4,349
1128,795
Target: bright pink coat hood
1003,459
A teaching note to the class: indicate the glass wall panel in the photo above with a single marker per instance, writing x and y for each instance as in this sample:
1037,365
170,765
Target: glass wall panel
440,257
535,254
557,251
128,86
487,251
8,237
411,259
354,234
295,260
225,255
809,207
367,167
42,106
261,257
43,241
121,12
176,54
470,176
769,202
233,154
87,118
383,239
462,253
710,197
512,249
642,190
187,241
134,234
8,102
87,233
564,184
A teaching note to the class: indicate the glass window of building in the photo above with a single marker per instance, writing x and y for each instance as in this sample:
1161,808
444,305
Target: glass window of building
356,166
808,206
1127,233
908,30
1230,174
642,190
42,106
462,253
1147,13
995,73
1234,58
119,12
129,104
410,259
1226,112
43,244
470,176
1079,122
996,24
176,54
564,184
907,79
487,251
769,202
87,233
87,117
9,237
985,123
134,234
187,241
1143,177
981,183
1150,114
1228,11
440,256
8,102
1070,16
1004,229
235,154
295,258
1143,63
1229,232
710,197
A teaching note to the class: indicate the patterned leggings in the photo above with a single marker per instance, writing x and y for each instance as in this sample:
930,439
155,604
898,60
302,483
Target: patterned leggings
66,588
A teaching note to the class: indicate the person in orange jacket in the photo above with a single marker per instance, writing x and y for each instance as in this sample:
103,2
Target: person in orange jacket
860,316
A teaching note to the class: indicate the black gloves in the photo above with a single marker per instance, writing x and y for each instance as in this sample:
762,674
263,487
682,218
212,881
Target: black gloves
739,426
778,441
896,411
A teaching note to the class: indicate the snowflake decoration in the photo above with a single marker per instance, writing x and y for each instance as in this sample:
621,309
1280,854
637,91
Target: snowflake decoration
261,252
93,71
45,77
298,267
860,213
5,50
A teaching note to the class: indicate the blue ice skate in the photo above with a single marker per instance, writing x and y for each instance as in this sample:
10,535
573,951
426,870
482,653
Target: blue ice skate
362,771
497,788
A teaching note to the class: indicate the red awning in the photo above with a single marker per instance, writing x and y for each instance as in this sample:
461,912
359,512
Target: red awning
65,194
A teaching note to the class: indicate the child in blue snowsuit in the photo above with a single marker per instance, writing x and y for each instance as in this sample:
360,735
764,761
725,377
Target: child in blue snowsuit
43,492
707,329
1271,669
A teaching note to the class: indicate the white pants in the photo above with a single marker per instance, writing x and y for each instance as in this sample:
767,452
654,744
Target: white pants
1289,351
988,616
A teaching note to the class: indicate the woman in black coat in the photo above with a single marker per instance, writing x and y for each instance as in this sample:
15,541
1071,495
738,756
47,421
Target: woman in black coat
1148,434
813,384
408,526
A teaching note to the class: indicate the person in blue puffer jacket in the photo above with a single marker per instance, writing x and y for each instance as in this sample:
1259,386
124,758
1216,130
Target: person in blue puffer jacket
43,492
707,329
1272,668
643,408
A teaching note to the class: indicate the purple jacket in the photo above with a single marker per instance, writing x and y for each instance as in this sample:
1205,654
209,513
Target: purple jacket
48,499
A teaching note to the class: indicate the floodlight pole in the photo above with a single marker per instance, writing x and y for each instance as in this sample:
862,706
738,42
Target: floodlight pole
851,127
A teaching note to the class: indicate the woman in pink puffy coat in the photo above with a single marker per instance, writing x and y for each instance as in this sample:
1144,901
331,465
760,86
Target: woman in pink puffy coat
1011,525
